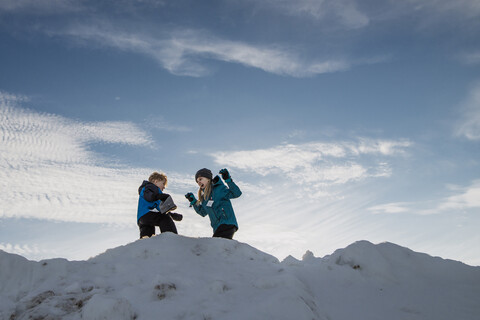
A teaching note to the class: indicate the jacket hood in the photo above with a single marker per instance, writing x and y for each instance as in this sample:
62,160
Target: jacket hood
144,183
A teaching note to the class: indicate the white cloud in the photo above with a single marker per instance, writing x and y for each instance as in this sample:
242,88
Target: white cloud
45,137
462,198
344,12
383,147
182,52
316,162
23,250
187,52
159,122
469,58
466,198
355,14
113,132
465,8
469,123
395,207
6,97
47,170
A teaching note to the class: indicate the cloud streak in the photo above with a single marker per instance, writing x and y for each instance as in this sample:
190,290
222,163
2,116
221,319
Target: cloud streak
44,7
345,12
468,125
461,199
160,123
184,52
317,162
188,50
24,250
48,171
465,198
469,58
47,137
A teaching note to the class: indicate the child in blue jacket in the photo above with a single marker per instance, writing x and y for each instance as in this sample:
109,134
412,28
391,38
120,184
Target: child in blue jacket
214,201
150,201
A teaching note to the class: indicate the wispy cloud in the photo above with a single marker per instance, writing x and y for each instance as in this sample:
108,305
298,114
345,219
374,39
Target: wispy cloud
40,7
469,58
122,132
388,208
24,250
7,98
185,52
48,137
357,14
159,122
189,50
468,125
317,162
464,198
48,171
465,8
461,198
344,12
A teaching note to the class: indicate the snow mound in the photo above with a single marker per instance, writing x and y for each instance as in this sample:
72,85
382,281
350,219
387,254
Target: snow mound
176,277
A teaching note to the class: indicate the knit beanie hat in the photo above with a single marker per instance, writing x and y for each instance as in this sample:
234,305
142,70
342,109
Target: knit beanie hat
204,173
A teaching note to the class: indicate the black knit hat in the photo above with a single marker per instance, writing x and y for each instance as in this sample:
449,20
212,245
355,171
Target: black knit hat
204,173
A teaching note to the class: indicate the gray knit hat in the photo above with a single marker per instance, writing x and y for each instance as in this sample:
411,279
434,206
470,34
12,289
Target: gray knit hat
204,173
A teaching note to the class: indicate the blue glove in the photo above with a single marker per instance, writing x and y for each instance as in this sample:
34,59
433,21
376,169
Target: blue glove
190,197
225,174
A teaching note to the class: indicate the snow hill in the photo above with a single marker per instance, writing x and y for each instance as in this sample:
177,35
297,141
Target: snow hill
176,277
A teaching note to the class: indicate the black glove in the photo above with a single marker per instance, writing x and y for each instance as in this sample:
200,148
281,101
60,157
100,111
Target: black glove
163,196
225,174
190,197
176,216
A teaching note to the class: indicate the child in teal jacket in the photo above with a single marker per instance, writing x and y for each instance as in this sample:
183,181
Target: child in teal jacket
214,201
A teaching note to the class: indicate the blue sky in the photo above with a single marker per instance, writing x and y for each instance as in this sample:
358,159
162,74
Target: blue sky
339,120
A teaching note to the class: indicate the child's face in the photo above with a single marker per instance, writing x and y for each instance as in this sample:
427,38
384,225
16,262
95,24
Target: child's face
160,184
202,182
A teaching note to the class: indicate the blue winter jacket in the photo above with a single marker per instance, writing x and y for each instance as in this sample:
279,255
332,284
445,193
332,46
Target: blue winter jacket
221,210
148,199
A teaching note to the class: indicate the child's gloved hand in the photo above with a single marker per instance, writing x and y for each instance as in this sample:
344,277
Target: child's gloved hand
163,196
190,197
176,216
225,174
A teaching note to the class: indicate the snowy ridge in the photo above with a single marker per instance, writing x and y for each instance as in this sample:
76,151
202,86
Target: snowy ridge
176,277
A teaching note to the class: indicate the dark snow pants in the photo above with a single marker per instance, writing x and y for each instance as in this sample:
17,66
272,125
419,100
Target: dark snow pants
148,221
225,231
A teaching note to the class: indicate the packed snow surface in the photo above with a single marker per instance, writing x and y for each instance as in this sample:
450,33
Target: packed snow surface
176,277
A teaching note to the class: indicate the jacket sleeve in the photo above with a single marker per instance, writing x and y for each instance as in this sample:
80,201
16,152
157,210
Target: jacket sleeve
200,210
233,191
152,194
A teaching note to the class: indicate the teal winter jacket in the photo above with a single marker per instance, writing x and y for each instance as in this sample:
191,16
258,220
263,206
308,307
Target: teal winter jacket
220,211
